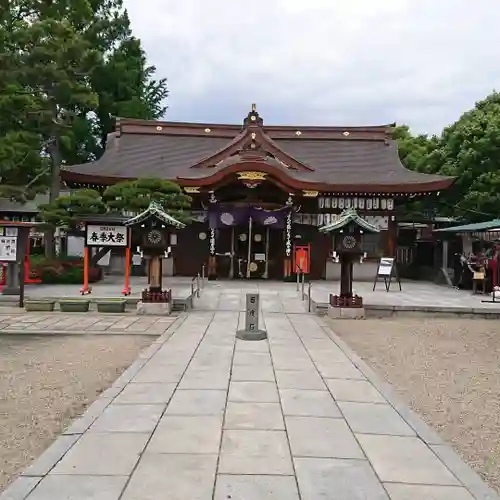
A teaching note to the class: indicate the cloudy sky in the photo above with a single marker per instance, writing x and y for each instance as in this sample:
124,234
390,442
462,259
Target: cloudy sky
322,62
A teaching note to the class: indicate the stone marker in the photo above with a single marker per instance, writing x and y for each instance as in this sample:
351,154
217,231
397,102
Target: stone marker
251,331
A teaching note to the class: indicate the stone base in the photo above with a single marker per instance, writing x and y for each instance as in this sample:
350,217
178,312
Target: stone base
154,308
251,334
346,312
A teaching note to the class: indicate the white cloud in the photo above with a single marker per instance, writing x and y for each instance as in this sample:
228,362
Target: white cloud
322,61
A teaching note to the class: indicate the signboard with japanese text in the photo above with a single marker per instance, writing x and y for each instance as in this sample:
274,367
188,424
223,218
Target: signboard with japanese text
252,312
385,266
387,270
106,236
8,248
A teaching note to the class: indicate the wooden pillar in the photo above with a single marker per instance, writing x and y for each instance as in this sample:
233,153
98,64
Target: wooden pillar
392,234
345,276
155,273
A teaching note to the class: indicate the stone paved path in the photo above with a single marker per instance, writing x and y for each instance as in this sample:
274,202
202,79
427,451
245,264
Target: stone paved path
203,416
83,324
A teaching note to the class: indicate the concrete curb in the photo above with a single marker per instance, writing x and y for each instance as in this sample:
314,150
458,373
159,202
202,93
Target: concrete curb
22,486
463,472
13,331
386,311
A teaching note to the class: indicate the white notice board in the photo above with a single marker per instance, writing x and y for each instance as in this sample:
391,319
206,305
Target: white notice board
8,248
385,266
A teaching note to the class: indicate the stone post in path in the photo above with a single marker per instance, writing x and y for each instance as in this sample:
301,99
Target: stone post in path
251,331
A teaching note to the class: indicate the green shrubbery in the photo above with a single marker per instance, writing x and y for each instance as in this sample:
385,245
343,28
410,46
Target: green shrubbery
63,270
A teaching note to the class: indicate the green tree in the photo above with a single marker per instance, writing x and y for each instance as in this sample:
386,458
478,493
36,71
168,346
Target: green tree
124,197
126,88
470,150
22,167
135,196
66,211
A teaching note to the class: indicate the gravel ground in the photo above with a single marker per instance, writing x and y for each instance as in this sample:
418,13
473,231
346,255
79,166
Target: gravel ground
448,371
45,382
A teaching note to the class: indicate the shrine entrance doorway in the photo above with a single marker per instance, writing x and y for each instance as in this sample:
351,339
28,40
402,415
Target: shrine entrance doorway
250,253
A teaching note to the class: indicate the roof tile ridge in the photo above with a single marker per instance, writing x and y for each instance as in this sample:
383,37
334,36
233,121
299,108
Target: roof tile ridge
229,148
273,144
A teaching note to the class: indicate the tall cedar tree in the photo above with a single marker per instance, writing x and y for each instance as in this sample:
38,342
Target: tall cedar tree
68,69
22,168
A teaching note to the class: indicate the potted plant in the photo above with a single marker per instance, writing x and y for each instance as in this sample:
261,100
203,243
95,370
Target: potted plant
74,305
40,305
111,305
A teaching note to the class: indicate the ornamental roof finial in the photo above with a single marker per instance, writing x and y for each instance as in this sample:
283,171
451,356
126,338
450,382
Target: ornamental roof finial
254,107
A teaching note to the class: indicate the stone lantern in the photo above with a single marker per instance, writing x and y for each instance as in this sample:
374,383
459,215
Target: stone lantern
348,232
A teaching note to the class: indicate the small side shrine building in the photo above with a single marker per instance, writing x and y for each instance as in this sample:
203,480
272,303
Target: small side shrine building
261,192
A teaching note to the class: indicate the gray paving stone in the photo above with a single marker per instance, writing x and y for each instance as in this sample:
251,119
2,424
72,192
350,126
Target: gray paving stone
128,418
172,477
265,416
244,373
308,403
59,487
255,488
114,454
19,489
468,477
360,391
155,373
244,346
405,460
205,379
81,424
252,358
334,479
321,437
197,402
346,371
255,452
372,418
146,394
281,362
253,392
290,379
421,492
44,463
187,434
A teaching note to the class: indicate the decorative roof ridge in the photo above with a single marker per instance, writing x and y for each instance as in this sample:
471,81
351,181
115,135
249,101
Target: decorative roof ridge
252,139
120,122
155,209
346,217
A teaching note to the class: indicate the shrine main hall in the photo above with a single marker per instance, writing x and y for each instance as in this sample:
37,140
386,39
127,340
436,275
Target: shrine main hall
261,192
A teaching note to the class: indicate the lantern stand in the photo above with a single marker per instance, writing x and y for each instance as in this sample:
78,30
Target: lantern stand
154,226
347,230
